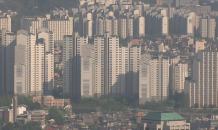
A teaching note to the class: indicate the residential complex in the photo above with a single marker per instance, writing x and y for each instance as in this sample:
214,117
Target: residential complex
202,89
120,49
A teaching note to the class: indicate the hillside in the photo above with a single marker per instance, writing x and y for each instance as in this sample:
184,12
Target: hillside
35,7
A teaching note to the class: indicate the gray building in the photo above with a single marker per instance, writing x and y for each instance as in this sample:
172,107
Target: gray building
179,3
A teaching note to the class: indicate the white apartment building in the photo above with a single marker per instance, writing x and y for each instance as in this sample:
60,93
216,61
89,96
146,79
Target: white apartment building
72,51
141,26
20,75
130,27
89,28
44,33
190,28
203,27
134,58
192,90
33,73
91,65
100,26
31,24
204,91
153,78
87,71
99,60
178,72
48,38
125,28
28,78
7,44
111,26
122,64
49,73
5,23
122,27
191,23
207,27
116,64
60,27
211,28
108,25
67,64
37,67
165,25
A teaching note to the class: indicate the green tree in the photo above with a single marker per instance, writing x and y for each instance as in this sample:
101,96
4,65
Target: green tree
55,114
181,100
35,106
8,126
124,101
32,125
134,111
92,127
171,103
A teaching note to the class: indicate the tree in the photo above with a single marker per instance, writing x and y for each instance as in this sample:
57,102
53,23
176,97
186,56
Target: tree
171,103
1,123
31,125
8,126
92,127
134,111
124,101
55,114
35,106
181,100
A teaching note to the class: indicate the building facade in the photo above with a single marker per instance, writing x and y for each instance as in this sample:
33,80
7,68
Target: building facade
153,78
7,46
202,88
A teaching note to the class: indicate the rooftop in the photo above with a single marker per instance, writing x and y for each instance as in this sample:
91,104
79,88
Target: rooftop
163,116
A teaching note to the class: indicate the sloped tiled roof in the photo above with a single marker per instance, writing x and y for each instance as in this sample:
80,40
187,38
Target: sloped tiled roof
163,116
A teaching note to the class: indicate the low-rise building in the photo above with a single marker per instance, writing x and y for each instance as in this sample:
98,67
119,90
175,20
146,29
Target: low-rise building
49,101
39,116
163,121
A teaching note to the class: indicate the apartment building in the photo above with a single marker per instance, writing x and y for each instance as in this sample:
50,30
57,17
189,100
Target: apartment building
207,27
7,46
60,27
141,26
202,88
72,51
153,78
5,23
44,33
99,44
179,72
31,24
87,70
33,73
